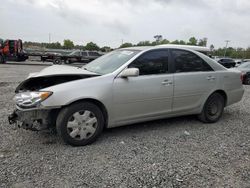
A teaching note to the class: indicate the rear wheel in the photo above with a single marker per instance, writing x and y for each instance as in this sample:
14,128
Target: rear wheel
80,124
213,108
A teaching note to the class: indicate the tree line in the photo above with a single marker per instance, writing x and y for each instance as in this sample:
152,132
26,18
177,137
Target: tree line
67,44
192,41
240,53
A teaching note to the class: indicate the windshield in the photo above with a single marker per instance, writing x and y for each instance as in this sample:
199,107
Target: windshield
245,65
111,61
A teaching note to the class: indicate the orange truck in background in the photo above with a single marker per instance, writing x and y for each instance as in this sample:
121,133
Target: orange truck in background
12,50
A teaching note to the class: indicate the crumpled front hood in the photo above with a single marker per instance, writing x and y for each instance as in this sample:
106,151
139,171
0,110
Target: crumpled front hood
53,75
61,70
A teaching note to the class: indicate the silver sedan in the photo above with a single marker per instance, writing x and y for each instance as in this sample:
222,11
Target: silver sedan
123,87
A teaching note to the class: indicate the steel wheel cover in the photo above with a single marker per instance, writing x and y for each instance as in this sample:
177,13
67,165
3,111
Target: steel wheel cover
82,125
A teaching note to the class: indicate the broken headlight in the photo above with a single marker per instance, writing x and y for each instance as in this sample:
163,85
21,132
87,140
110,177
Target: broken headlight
31,99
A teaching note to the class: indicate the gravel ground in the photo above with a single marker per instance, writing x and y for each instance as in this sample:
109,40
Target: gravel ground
177,152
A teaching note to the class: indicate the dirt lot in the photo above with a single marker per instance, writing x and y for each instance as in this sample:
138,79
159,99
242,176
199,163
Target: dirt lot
178,152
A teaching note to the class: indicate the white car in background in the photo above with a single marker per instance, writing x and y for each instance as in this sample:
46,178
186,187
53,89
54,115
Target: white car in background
123,87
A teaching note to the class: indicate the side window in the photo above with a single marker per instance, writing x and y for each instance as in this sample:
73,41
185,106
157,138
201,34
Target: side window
84,54
93,54
186,61
152,62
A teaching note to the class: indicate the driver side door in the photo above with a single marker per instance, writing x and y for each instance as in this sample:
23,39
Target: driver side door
148,95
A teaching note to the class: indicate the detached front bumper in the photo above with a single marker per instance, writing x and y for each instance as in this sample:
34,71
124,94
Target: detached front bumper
36,119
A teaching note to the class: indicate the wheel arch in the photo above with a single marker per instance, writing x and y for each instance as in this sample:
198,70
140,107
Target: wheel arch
97,103
222,93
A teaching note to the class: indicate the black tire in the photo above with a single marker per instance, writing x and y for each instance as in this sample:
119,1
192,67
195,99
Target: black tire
57,61
68,61
213,108
247,80
67,113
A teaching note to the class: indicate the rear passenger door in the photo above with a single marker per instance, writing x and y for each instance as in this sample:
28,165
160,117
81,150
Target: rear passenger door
193,80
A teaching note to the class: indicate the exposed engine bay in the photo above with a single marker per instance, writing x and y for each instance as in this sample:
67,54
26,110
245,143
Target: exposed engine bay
39,119
37,83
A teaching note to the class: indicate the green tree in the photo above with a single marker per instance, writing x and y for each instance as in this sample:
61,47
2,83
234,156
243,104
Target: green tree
175,42
154,43
68,44
105,49
79,47
182,42
211,47
247,53
202,42
144,43
92,46
126,45
192,41
53,45
164,41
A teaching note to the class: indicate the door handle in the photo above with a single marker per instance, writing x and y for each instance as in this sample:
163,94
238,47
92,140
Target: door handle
167,82
210,78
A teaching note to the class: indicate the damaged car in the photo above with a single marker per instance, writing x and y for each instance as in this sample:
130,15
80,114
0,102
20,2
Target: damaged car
123,87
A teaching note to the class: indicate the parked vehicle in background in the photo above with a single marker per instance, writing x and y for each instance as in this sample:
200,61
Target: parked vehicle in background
125,86
75,56
13,50
227,62
81,56
245,60
238,62
2,57
245,69
50,56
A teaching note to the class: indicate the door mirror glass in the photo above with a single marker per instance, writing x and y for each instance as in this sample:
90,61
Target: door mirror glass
130,72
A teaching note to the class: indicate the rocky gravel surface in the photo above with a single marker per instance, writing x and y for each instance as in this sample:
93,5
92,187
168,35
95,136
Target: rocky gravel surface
177,152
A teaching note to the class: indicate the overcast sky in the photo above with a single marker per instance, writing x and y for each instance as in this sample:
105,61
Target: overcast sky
108,22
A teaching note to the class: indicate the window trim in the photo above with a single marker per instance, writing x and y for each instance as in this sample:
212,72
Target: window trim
172,62
158,49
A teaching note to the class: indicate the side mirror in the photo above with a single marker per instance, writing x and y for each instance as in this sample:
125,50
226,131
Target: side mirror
130,72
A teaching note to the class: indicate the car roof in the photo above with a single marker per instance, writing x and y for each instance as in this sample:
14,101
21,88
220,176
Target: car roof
174,46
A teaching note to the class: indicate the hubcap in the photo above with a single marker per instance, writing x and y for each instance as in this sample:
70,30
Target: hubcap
213,108
82,125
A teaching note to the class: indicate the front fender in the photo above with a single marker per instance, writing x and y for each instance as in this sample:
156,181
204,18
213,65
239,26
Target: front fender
97,88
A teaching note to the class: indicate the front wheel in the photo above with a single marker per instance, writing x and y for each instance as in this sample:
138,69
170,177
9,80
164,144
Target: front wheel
80,124
213,108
